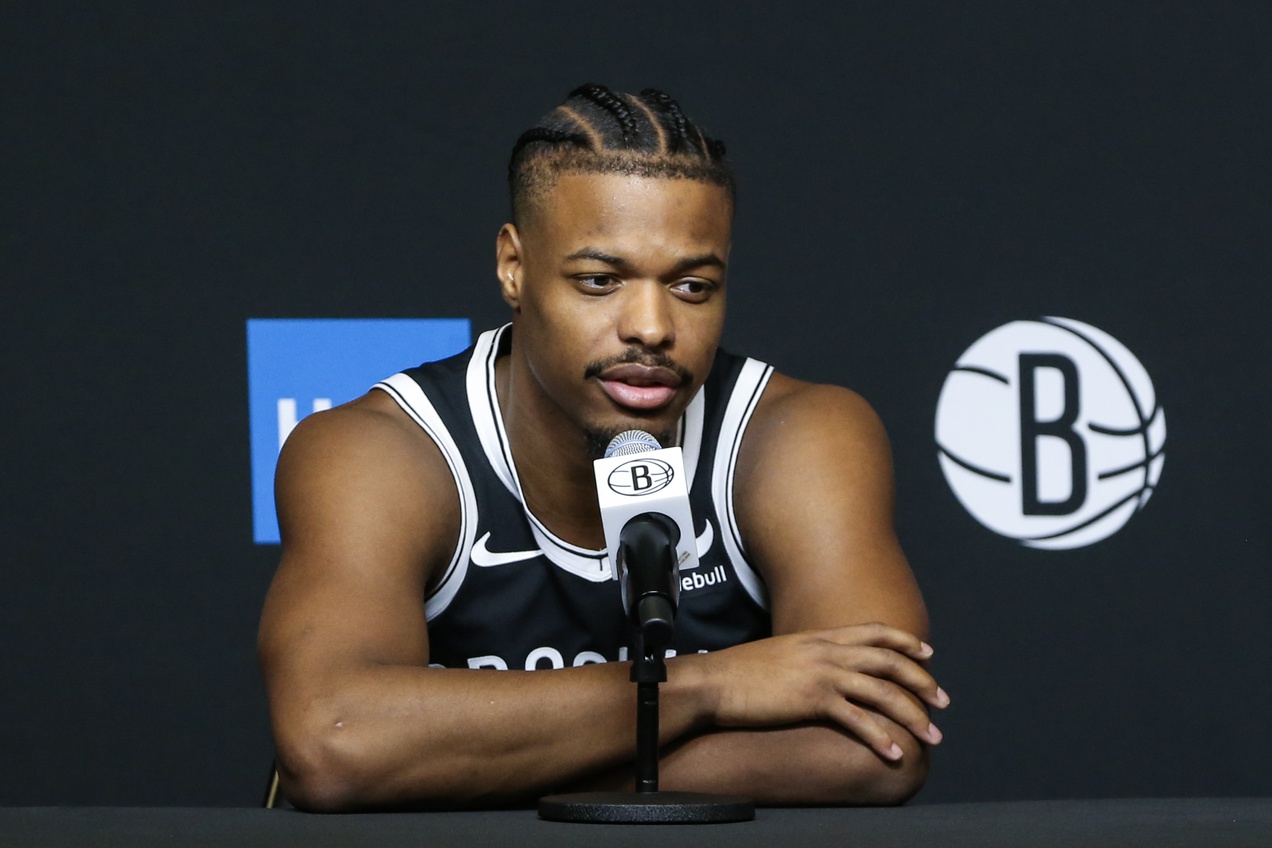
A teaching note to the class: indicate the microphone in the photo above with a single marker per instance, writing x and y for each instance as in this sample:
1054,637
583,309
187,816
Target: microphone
644,500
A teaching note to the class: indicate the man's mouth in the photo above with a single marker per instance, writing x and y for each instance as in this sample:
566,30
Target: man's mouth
640,387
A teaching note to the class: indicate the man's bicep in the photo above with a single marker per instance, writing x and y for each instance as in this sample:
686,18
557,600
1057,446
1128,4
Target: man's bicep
814,495
364,516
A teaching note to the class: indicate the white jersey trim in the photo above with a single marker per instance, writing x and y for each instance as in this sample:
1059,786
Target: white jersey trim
483,404
752,380
408,395
691,435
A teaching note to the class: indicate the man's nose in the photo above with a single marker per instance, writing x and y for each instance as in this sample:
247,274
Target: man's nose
646,317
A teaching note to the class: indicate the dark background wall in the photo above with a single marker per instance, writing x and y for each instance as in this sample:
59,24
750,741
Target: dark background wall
912,176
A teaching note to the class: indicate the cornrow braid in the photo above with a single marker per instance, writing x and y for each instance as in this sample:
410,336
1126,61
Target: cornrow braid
662,103
597,130
610,102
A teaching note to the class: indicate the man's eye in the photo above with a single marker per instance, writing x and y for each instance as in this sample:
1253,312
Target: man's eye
694,289
597,282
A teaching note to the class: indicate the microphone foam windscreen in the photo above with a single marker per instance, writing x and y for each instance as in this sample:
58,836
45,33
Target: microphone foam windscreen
629,442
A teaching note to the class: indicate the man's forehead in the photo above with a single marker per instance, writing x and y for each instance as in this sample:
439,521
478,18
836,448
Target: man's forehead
615,209
575,185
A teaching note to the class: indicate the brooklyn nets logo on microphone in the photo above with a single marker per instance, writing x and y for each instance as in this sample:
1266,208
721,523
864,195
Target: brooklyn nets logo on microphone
1050,432
641,476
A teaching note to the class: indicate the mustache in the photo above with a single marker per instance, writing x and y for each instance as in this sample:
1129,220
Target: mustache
636,356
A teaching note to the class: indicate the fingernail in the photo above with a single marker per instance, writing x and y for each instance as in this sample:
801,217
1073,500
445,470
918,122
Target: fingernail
934,734
926,649
894,753
942,700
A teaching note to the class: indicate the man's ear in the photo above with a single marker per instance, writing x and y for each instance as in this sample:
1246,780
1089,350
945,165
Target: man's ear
508,264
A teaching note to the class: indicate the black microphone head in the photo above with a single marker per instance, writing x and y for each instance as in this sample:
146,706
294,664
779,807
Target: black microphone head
629,442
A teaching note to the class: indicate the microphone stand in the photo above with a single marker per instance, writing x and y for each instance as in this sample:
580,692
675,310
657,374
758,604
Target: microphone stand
651,561
648,670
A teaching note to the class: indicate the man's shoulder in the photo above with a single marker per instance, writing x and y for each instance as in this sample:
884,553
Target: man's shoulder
798,415
813,493
369,438
364,423
360,480
810,441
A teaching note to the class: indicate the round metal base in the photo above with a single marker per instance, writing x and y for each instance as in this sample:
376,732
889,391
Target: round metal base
646,808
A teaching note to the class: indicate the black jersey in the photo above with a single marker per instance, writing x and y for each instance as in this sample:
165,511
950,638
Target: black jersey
514,595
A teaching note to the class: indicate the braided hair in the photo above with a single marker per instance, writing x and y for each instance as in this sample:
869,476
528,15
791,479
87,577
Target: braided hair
599,131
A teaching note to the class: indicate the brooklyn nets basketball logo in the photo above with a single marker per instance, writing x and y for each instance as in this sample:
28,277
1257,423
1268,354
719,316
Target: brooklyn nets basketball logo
1050,432
639,477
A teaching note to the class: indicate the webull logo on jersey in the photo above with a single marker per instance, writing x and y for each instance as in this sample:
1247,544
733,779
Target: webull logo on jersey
1050,432
296,366
698,580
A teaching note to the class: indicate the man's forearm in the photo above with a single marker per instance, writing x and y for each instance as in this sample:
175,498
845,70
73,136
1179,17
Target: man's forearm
805,764
408,736
365,735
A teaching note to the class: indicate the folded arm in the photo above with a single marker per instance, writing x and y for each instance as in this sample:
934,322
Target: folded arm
813,496
369,516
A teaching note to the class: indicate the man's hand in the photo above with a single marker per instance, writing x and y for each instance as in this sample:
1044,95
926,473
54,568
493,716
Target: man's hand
828,675
831,710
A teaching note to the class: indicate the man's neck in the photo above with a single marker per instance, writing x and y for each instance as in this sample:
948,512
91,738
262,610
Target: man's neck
551,458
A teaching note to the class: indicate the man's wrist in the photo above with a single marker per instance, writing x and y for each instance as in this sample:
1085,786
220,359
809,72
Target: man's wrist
691,687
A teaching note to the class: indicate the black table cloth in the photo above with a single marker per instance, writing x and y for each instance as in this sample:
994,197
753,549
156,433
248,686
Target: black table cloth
1160,823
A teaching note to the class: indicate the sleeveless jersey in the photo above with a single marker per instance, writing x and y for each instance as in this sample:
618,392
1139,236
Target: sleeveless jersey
514,595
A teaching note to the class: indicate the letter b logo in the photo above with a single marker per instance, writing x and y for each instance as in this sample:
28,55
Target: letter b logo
1032,430
1049,432
638,477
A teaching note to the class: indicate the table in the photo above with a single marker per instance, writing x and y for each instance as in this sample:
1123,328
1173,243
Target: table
1159,823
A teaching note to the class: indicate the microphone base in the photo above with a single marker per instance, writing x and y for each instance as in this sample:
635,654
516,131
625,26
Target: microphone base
646,808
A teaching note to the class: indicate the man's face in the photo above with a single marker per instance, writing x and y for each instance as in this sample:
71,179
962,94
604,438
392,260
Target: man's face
618,291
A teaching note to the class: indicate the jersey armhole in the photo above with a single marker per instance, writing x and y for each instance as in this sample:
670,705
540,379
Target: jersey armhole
411,398
752,380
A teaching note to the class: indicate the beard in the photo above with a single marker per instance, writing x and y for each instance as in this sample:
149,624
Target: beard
597,439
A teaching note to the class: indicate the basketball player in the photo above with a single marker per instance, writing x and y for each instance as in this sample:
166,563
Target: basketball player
443,630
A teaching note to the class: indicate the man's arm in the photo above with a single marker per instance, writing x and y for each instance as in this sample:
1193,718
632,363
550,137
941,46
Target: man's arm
369,515
813,497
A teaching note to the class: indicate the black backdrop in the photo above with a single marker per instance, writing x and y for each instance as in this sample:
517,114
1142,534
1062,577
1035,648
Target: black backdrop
912,176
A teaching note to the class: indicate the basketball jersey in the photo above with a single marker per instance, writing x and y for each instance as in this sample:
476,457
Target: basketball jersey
514,595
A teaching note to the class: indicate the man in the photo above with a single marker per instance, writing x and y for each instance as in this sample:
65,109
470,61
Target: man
441,534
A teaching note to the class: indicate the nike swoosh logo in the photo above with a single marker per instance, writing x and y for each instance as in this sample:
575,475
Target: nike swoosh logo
484,557
705,539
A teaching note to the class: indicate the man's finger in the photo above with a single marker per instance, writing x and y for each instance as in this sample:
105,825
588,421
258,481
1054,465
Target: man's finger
891,665
880,635
863,725
890,700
